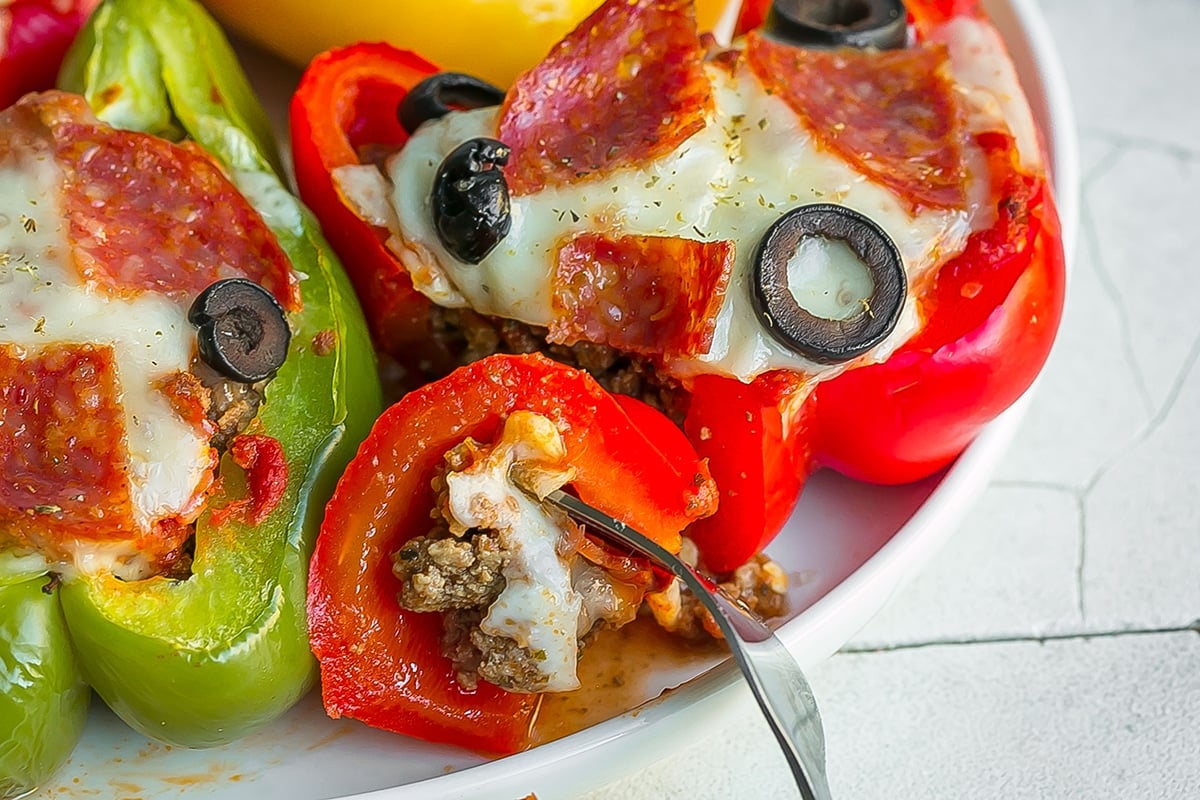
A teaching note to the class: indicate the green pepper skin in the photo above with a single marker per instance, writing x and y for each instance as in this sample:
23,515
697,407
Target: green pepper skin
43,699
203,661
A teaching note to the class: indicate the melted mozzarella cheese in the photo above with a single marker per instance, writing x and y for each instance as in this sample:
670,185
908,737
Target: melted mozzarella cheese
752,163
43,302
993,96
538,608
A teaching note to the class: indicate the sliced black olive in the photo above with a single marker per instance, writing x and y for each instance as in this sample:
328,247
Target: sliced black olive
440,94
243,333
882,24
871,318
470,199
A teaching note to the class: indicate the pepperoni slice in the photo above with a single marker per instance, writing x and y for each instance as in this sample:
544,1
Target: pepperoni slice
892,114
654,295
62,445
146,214
624,87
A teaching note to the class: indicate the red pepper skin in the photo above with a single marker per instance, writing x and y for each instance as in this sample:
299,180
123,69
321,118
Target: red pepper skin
924,14
991,313
928,14
382,664
752,15
755,437
342,113
36,35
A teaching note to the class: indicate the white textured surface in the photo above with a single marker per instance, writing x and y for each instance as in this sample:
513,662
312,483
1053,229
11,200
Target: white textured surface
1050,650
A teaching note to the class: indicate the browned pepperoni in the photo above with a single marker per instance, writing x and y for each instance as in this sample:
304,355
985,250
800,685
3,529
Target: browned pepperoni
64,459
655,295
146,214
62,445
892,114
626,86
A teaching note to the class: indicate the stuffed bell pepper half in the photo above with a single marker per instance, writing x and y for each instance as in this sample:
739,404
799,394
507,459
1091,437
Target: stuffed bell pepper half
829,244
184,372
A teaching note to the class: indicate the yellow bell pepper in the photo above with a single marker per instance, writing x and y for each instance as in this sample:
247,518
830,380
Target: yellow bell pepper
491,39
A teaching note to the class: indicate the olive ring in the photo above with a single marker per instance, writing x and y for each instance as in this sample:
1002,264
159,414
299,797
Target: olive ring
828,341
470,203
242,331
881,24
438,95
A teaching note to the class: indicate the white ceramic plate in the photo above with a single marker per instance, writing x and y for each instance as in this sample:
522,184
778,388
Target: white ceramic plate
848,545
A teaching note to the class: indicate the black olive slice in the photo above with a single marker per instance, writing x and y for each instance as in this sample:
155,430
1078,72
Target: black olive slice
882,24
243,333
871,319
470,199
438,95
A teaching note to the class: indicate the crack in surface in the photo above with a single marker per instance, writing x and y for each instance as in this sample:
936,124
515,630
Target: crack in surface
1079,497
1194,627
1103,165
1120,145
1157,420
1047,486
1087,227
1081,557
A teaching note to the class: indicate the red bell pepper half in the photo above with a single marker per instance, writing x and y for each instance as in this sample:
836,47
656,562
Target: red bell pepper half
989,318
383,664
34,37
344,113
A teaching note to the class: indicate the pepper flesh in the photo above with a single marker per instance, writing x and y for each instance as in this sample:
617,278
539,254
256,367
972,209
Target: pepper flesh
34,37
205,660
502,37
43,698
336,122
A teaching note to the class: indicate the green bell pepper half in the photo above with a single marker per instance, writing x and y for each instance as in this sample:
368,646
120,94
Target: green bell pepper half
206,660
43,699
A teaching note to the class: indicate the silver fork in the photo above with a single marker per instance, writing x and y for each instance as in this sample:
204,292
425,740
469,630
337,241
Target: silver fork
775,679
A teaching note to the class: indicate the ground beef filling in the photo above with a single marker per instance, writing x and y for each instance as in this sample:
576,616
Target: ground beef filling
463,571
231,407
460,572
760,584
469,337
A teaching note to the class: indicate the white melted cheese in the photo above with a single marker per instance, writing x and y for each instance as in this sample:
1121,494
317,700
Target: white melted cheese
538,608
752,163
993,96
44,302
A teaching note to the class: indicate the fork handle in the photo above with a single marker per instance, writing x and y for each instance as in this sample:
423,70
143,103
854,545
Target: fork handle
776,680
779,687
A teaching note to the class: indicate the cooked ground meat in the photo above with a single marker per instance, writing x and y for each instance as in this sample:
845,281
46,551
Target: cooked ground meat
471,336
506,664
760,584
457,646
495,659
201,393
438,573
458,571
232,405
